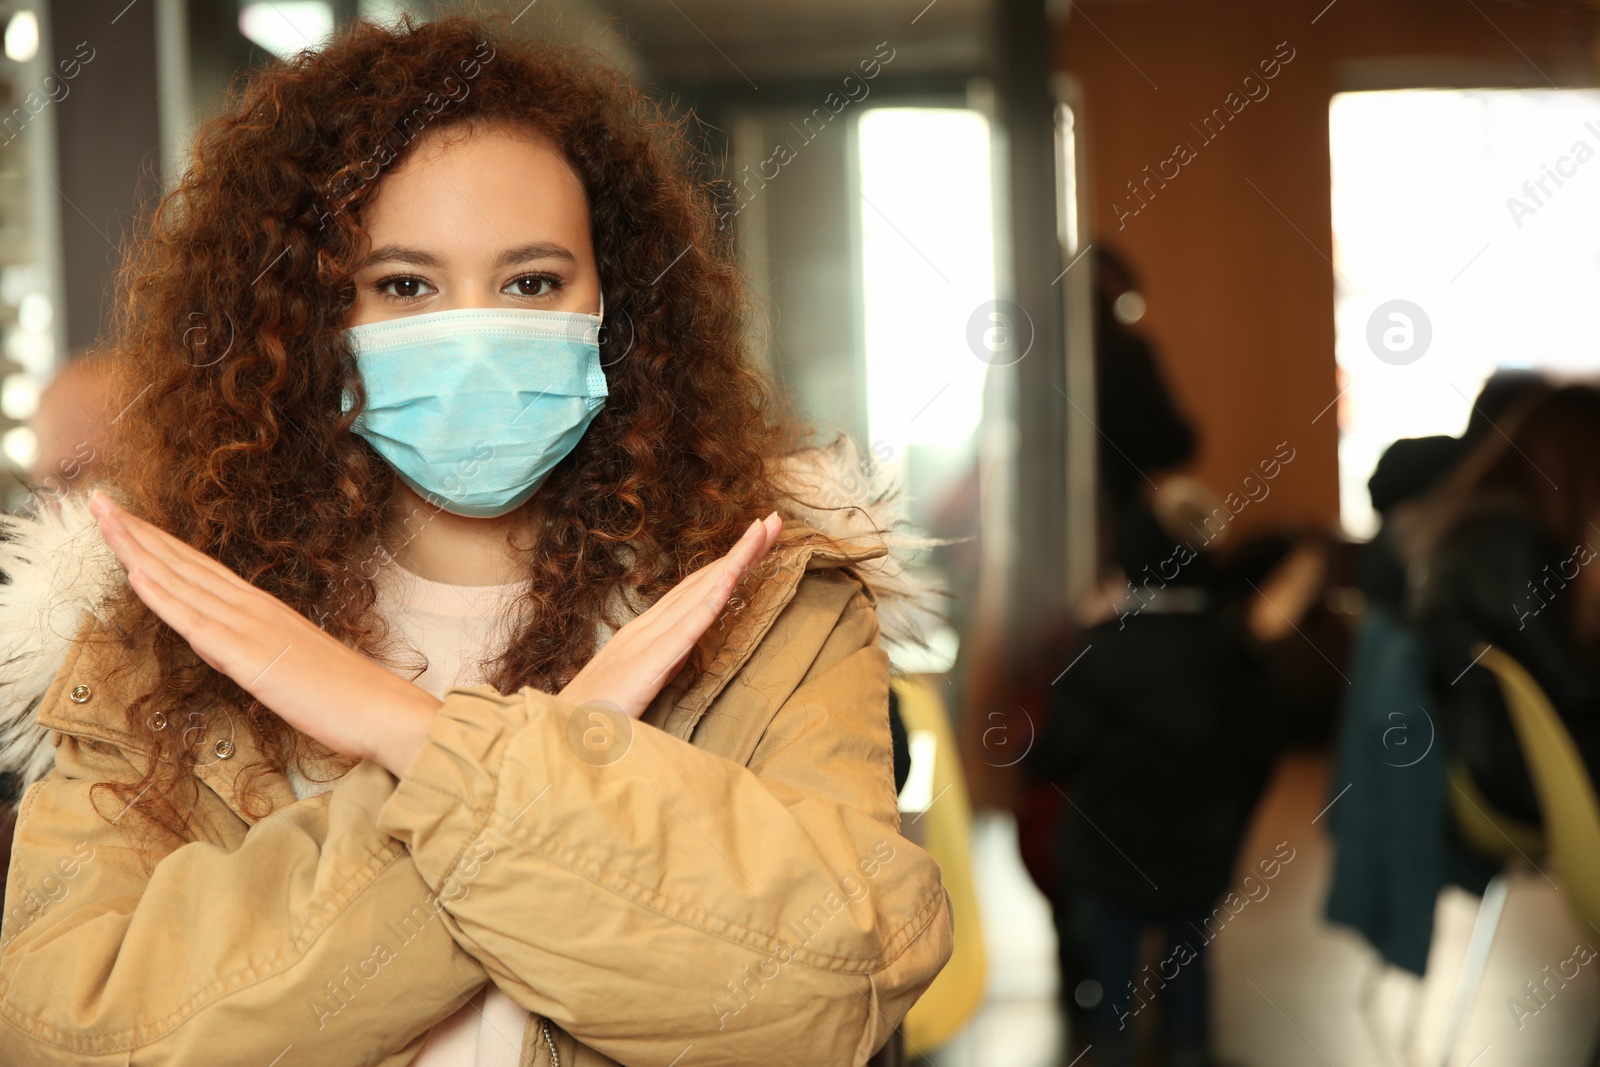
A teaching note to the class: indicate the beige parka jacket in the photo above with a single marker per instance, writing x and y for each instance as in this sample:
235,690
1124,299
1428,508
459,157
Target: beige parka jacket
726,886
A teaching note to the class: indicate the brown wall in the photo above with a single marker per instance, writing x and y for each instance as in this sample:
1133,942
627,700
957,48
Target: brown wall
1234,251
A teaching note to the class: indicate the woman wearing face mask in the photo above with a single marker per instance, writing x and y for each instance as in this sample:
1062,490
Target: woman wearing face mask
421,684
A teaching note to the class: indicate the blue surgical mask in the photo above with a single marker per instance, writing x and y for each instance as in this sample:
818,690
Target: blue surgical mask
474,407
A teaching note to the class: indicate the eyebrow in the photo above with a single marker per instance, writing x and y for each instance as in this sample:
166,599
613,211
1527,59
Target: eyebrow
511,256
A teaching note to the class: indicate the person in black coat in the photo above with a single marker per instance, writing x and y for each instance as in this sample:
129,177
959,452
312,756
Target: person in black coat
1160,735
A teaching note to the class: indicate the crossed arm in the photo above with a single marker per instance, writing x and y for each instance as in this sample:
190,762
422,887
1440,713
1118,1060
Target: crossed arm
675,898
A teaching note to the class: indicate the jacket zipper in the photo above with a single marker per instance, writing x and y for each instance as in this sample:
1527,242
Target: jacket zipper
550,1043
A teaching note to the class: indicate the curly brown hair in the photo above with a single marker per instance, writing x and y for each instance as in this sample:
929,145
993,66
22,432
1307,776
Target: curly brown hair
227,334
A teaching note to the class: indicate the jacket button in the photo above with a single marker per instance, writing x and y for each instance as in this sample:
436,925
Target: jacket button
80,694
223,748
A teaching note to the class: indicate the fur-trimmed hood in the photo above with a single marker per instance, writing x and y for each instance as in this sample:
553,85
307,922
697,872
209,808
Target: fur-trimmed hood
56,572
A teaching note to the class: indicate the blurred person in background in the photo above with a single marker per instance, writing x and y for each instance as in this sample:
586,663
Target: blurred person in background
1395,844
1506,553
72,425
1144,430
1279,580
1160,736
1413,467
1143,434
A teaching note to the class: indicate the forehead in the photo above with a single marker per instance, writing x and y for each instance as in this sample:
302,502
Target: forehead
476,186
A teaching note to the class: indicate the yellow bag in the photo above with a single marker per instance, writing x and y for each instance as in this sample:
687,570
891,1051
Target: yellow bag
936,814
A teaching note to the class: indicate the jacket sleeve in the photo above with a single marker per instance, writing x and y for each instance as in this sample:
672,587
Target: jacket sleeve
306,931
768,913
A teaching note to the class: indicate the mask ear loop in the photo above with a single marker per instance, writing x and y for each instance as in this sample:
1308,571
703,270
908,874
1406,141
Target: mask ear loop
601,315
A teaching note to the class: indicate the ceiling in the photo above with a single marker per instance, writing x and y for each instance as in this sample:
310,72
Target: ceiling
700,42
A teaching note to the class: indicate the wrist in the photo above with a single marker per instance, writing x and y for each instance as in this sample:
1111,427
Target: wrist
406,731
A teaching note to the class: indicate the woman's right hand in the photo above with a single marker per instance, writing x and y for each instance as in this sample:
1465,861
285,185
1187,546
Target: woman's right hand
641,657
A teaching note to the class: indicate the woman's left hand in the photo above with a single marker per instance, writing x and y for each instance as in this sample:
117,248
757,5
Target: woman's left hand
316,684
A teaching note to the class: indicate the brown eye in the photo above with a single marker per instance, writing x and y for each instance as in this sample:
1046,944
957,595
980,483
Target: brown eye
534,285
402,286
